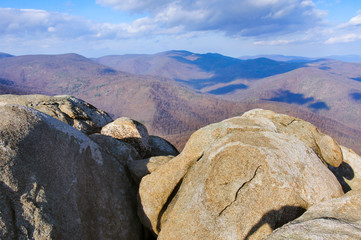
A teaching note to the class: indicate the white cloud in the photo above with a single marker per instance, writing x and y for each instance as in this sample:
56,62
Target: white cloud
346,32
275,42
346,38
234,17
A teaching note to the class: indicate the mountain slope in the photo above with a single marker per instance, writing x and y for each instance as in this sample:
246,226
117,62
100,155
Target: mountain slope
165,107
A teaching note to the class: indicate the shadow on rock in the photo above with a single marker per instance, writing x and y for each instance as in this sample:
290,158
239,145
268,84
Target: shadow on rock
284,215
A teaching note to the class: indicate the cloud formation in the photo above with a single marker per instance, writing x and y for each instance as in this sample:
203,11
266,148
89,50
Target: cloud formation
234,17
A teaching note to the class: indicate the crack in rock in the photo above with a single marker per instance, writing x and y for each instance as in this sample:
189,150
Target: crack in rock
236,195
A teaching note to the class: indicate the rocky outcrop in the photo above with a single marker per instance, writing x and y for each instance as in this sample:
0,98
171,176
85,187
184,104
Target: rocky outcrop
349,172
335,219
56,183
73,111
240,179
129,131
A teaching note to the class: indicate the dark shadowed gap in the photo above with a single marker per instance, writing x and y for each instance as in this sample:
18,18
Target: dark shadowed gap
228,89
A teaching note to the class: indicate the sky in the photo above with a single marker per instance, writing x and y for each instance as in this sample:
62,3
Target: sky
94,28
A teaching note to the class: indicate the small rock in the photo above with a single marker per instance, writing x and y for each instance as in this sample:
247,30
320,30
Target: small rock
129,131
349,172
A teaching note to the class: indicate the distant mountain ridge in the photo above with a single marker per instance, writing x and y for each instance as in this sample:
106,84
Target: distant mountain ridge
198,70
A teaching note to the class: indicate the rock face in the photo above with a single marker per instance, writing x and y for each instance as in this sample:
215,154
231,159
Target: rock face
55,183
73,111
129,131
335,219
239,179
349,172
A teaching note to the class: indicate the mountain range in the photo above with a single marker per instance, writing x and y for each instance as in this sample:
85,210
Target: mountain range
176,92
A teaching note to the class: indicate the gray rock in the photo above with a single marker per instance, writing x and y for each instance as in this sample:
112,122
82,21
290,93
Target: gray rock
55,183
73,111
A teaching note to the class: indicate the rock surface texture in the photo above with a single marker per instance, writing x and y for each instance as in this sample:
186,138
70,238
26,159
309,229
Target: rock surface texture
129,131
335,219
240,179
55,183
73,111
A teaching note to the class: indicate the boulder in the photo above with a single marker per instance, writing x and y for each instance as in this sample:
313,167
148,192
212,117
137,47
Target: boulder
122,151
237,179
129,131
349,172
56,183
335,219
73,111
161,147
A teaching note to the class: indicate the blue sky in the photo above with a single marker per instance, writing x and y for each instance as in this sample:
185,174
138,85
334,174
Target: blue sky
236,28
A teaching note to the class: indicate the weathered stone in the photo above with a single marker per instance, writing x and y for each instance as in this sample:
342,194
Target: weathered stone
122,151
323,145
73,111
237,179
129,131
349,172
55,183
335,219
161,147
143,167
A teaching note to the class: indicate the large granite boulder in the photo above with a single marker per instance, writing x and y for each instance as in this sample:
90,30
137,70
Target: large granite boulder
129,131
237,179
55,183
335,219
73,111
349,172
